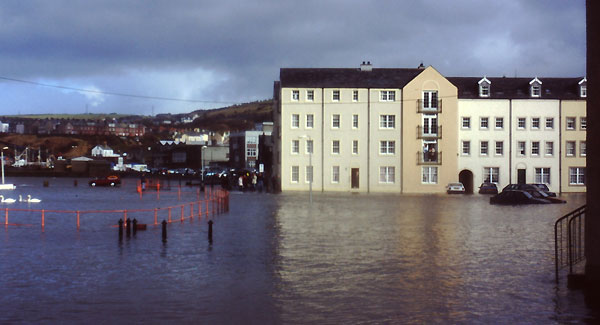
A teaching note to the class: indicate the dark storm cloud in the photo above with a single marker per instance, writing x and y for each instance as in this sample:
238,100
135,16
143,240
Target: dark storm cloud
232,50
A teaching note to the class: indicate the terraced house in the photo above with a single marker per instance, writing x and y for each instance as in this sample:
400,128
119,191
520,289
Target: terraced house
414,130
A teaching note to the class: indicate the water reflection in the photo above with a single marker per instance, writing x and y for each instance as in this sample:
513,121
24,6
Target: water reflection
418,259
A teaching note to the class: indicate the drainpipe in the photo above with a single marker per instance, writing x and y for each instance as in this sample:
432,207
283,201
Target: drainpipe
322,140
401,127
559,147
510,141
368,140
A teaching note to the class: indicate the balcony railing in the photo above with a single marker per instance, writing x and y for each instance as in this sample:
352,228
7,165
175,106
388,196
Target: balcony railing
431,110
429,158
433,132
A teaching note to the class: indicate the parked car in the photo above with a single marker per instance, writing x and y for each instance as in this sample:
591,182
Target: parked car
455,188
514,197
112,180
535,191
488,188
544,188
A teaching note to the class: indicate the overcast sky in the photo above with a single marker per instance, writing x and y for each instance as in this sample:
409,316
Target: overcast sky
222,52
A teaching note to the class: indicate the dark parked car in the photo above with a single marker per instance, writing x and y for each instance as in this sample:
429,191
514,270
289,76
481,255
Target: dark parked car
488,188
535,191
514,197
112,180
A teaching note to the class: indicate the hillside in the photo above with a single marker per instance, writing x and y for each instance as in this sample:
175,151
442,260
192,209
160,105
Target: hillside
234,118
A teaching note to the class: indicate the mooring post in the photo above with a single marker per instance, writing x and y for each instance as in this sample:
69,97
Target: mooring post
75,183
210,224
128,227
134,226
120,229
155,216
164,231
45,183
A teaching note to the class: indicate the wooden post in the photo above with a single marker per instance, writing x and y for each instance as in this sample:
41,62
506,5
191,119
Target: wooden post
77,219
155,216
43,221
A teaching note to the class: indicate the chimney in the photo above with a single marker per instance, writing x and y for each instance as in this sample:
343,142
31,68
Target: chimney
366,66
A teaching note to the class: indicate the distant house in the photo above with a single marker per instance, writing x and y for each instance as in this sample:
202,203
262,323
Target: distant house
4,127
103,151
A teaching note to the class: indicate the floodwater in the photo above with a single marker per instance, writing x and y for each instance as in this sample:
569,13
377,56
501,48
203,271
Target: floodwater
277,259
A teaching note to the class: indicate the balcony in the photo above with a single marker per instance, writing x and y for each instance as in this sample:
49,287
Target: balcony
434,132
429,158
429,110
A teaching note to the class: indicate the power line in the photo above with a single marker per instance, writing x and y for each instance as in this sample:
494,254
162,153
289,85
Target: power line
116,93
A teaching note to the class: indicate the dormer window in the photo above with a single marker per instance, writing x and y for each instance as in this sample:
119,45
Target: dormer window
583,88
484,87
535,87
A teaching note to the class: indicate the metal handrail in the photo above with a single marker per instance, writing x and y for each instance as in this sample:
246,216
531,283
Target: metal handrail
432,135
570,251
428,159
429,110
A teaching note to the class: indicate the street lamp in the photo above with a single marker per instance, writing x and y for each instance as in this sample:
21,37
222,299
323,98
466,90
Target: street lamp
202,172
3,163
312,175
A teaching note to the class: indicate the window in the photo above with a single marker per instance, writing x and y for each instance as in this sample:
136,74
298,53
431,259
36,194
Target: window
582,148
310,121
355,121
549,148
387,147
570,148
295,120
335,96
521,148
387,121
429,175
295,174
576,175
335,121
309,174
388,95
335,146
484,89
483,148
535,122
583,91
583,123
549,123
310,95
521,123
491,174
430,126
536,89
355,147
466,122
535,148
499,122
466,148
387,174
483,122
335,174
251,152
430,100
295,95
295,146
571,123
542,175
499,148
309,146
355,96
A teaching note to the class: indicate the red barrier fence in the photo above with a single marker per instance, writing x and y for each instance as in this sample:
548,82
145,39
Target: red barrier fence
215,202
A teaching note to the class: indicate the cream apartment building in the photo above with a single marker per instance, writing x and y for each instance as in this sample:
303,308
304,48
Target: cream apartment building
517,124
414,131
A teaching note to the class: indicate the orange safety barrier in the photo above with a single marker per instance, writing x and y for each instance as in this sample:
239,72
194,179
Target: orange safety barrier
216,203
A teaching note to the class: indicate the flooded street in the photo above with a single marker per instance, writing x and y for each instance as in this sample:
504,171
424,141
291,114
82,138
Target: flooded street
278,259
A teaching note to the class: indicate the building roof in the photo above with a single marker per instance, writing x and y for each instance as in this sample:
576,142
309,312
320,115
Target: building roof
346,77
518,88
468,87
